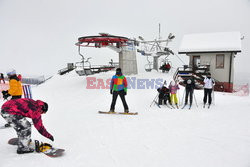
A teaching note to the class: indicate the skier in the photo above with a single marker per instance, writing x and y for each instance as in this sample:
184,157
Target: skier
118,86
208,88
163,95
15,112
189,88
173,87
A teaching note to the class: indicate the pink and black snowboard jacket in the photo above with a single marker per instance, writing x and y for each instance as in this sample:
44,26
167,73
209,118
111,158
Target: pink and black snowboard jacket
27,108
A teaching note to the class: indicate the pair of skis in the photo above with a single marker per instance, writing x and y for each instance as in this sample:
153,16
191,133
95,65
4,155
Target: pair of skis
190,106
169,106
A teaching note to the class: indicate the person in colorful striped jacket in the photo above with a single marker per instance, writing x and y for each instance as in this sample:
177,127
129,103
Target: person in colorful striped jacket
15,112
118,86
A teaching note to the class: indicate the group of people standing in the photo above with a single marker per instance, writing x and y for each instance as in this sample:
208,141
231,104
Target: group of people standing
169,94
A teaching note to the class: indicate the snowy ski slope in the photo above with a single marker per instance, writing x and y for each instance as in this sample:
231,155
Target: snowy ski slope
156,137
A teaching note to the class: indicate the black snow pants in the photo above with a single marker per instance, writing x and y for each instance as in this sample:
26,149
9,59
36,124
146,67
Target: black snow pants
189,92
207,93
122,96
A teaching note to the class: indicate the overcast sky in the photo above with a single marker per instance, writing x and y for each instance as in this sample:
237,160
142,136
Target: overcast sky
38,36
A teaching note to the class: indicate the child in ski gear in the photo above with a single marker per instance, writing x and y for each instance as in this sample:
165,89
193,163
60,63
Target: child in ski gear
118,86
163,95
15,112
208,88
173,87
15,90
189,88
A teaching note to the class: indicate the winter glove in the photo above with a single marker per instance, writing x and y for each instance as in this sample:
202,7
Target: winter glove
125,93
51,138
111,91
5,94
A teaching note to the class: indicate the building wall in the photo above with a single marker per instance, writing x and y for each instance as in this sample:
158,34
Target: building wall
220,74
127,60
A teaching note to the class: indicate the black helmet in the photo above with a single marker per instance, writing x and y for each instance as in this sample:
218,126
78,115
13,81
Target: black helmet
118,70
45,107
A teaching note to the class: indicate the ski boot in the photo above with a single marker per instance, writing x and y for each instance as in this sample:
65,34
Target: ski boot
112,110
126,111
7,125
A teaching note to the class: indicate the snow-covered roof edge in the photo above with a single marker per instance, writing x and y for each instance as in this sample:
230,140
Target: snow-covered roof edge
211,42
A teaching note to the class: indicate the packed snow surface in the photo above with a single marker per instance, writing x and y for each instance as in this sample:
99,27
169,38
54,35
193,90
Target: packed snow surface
210,42
156,137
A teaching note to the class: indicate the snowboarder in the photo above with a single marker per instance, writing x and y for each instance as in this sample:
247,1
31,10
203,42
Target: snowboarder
208,88
163,95
2,78
118,86
15,112
173,87
189,88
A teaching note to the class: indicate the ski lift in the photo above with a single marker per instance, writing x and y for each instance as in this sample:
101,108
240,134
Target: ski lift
165,65
83,67
149,66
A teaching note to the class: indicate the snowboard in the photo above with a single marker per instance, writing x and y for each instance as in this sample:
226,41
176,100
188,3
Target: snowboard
47,150
122,113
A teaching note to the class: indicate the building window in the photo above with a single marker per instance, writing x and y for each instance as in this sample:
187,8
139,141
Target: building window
220,60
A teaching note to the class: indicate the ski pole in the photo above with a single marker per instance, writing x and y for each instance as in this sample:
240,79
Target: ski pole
195,99
178,92
165,82
213,96
183,96
154,100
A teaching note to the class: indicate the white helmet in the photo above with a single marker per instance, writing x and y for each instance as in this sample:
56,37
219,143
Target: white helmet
11,72
172,83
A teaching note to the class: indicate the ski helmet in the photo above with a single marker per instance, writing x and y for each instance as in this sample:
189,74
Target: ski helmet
11,72
172,83
45,107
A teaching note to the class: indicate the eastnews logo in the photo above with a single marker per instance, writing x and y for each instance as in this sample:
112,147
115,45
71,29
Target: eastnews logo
133,83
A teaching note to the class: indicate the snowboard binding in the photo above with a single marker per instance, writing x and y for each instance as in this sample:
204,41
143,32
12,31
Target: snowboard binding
42,147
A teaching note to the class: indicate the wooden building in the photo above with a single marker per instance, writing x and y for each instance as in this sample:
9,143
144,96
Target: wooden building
214,53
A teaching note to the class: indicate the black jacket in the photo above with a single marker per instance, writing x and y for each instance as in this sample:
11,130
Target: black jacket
189,83
163,92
